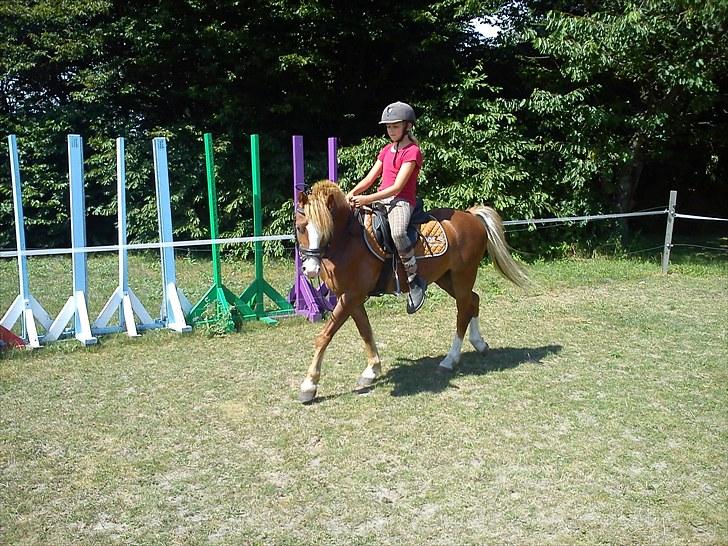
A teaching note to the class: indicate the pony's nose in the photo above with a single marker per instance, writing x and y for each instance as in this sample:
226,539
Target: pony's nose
310,268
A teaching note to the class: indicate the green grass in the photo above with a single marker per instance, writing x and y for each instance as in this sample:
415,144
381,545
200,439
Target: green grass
600,416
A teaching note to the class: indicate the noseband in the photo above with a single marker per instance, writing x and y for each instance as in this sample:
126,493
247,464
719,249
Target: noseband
308,253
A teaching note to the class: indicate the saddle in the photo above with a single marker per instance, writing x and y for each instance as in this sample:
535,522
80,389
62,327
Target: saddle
425,233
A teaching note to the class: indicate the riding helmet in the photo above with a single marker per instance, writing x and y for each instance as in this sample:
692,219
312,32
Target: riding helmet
398,111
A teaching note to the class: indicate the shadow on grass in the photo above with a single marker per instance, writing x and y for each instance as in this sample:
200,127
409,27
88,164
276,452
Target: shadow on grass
415,376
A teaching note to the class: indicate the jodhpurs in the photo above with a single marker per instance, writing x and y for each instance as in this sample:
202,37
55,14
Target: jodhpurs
399,215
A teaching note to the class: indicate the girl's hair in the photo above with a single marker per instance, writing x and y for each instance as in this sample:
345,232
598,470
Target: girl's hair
411,136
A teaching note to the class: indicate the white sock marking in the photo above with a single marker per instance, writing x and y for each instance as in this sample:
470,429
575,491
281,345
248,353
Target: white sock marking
475,337
453,357
308,385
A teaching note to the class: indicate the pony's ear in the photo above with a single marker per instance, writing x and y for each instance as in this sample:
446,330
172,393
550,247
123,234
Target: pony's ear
302,199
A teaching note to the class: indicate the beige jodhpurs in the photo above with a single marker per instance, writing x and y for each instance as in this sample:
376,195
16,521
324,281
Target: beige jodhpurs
399,214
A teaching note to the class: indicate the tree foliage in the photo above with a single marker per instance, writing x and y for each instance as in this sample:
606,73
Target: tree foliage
574,107
108,68
583,96
646,79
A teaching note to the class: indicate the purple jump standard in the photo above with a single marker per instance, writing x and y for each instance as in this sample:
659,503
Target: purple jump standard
308,300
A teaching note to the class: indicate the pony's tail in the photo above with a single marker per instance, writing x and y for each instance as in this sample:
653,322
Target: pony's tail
498,248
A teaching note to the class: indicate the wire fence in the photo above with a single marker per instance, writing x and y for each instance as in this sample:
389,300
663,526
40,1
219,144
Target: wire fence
535,222
141,246
692,217
567,219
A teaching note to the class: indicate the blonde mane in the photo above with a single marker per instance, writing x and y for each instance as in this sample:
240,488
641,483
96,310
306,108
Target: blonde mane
324,197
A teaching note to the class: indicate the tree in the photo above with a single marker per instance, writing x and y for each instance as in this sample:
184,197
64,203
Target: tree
106,68
640,79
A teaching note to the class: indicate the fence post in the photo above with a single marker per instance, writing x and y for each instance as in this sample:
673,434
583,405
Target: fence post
301,295
309,301
668,231
123,298
259,288
229,309
333,143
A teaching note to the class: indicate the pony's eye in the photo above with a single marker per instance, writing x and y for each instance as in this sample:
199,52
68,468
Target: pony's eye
300,229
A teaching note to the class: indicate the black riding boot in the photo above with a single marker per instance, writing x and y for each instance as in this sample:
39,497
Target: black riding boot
417,285
417,288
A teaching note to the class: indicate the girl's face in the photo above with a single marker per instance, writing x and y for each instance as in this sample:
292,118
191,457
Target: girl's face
396,130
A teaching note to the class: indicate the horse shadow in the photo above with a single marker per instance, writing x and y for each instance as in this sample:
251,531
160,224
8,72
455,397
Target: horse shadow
410,377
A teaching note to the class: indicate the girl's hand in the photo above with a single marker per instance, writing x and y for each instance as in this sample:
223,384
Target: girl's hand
357,201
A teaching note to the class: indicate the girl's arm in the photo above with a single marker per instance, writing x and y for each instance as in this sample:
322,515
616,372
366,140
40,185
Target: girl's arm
405,171
366,182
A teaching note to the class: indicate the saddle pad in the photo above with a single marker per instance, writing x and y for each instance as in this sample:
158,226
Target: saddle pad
431,239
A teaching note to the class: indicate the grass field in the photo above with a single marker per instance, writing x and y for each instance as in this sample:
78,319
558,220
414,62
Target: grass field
599,416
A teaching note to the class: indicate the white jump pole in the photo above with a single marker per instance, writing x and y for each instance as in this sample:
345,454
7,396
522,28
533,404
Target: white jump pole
123,299
75,308
174,303
25,306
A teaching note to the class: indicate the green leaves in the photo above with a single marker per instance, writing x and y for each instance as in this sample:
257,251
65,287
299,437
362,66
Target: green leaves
638,78
560,114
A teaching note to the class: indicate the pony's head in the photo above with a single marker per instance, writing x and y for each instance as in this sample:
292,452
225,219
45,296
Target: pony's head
315,222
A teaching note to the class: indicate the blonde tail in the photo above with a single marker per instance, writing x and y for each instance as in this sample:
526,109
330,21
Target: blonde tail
497,247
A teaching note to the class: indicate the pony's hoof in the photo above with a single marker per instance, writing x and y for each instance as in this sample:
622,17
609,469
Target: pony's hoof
444,370
364,384
306,397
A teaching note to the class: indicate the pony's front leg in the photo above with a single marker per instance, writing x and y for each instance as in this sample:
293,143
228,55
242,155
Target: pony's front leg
374,363
338,316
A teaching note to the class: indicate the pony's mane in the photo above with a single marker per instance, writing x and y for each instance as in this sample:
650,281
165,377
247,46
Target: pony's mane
323,198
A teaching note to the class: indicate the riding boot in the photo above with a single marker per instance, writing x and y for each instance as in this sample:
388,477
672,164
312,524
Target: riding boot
417,287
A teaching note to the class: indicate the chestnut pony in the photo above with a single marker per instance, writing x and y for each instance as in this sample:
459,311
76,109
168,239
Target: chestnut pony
332,245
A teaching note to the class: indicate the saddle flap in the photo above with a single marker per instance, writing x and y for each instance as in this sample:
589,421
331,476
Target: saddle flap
431,239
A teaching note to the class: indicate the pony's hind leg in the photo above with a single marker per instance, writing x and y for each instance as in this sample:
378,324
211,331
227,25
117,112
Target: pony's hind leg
374,363
468,307
474,335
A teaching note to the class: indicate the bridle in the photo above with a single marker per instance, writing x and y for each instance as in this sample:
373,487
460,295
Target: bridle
316,253
305,253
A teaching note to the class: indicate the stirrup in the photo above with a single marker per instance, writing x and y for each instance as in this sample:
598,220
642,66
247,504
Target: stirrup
417,294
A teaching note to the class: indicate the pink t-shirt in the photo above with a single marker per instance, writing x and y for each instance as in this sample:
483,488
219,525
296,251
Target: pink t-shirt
392,160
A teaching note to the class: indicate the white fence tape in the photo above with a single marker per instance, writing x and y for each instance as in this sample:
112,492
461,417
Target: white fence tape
238,240
580,218
143,246
691,217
